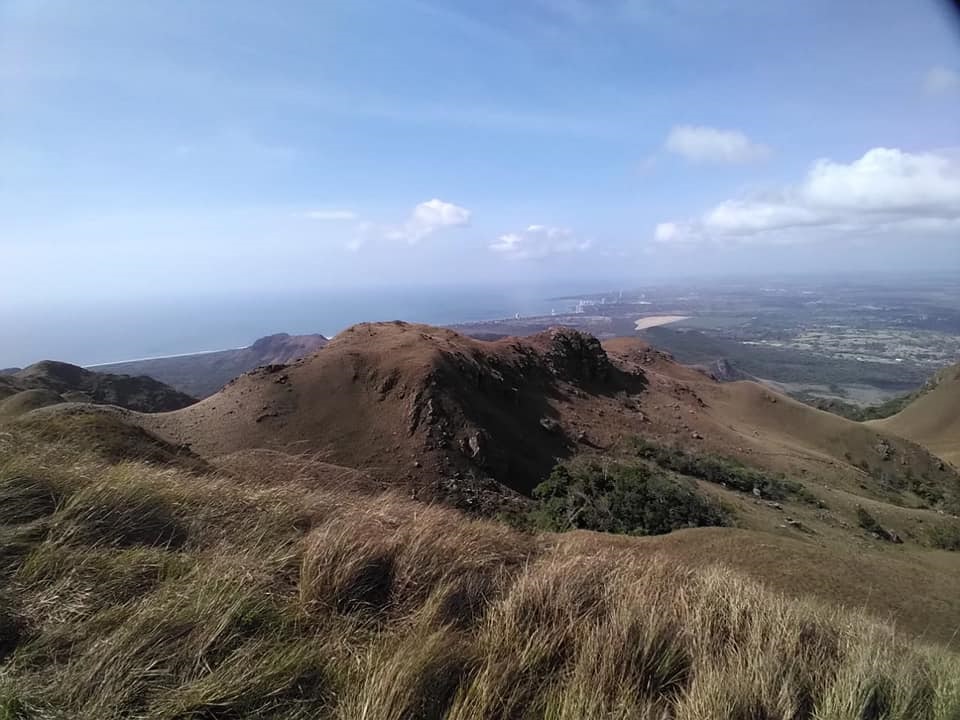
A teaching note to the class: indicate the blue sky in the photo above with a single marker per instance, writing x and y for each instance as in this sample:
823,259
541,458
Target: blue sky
183,147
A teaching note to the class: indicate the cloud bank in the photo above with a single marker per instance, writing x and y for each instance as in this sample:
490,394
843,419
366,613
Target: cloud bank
885,190
538,242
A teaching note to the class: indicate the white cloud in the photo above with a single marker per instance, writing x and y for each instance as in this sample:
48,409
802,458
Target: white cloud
703,144
330,214
539,241
429,217
941,81
885,190
887,180
668,232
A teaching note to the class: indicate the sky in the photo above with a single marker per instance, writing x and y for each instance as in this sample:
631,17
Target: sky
187,147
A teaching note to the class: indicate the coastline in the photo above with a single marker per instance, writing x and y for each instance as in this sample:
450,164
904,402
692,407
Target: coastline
164,357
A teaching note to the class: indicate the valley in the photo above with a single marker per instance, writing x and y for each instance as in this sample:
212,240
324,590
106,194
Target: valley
858,340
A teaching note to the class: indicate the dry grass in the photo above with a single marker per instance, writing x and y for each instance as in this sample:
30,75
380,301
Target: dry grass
285,601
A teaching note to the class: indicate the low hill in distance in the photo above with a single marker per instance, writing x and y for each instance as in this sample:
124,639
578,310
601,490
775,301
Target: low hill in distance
49,382
933,417
202,374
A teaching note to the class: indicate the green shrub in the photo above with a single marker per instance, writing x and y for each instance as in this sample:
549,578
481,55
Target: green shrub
946,536
868,522
721,471
625,499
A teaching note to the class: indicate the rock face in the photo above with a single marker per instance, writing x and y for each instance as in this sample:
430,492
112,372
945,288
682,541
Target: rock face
722,370
49,382
577,357
203,374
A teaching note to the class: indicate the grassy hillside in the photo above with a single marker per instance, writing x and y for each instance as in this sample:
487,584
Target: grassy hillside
168,589
933,417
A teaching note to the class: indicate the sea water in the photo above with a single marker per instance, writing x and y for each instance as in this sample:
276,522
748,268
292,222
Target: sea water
88,333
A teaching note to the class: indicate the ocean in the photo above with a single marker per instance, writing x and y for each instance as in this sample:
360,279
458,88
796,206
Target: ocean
89,333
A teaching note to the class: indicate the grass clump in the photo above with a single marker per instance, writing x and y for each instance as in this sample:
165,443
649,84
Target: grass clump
117,513
632,499
105,433
24,499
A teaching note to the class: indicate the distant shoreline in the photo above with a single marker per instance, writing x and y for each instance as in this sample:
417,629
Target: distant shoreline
164,357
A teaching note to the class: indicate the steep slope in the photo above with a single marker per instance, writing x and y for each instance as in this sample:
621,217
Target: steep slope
443,414
50,382
933,419
202,374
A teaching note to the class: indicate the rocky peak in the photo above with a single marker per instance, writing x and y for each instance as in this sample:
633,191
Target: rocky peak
576,356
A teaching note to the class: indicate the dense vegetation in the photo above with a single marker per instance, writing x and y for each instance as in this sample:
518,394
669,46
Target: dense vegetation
946,536
630,499
720,471
167,591
856,412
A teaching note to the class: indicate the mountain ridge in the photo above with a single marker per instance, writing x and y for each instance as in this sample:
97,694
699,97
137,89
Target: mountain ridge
202,374
50,382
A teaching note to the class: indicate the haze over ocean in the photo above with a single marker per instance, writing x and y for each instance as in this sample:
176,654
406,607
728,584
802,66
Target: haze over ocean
88,334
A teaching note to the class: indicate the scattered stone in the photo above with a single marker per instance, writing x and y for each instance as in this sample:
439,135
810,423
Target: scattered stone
884,449
549,424
696,436
474,445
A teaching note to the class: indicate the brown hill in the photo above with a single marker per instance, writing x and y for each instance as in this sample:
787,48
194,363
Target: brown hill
413,403
49,382
933,418
444,414
202,374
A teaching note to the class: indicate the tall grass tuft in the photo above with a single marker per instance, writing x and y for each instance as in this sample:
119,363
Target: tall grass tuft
158,594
